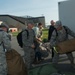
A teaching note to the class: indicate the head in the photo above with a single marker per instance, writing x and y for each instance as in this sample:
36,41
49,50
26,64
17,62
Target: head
4,27
40,25
58,25
30,25
52,22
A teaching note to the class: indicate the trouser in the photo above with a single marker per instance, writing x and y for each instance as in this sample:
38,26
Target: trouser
52,53
38,56
3,64
3,70
56,57
29,57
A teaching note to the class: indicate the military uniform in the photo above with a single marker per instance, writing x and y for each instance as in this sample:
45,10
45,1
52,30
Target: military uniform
4,44
62,36
28,50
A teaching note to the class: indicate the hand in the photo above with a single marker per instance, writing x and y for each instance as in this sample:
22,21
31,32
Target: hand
39,39
33,46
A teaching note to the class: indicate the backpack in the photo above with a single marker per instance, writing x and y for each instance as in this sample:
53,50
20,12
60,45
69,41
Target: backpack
19,38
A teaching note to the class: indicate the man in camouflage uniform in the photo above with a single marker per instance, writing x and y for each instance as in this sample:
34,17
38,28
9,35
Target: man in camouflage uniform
28,44
5,45
62,36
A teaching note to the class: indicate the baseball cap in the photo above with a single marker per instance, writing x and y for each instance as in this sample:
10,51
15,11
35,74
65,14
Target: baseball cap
58,24
4,25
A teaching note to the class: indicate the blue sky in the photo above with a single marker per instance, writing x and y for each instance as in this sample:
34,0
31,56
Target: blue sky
35,8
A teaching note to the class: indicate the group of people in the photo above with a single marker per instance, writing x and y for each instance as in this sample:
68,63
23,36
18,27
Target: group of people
28,45
56,34
31,44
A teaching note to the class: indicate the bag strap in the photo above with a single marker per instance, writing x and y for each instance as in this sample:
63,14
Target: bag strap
56,32
33,32
27,32
65,30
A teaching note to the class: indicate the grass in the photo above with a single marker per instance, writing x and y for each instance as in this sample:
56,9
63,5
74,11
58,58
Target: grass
15,33
45,33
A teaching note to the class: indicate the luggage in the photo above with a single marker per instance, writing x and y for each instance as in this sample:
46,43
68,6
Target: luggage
46,69
44,52
66,46
45,49
15,63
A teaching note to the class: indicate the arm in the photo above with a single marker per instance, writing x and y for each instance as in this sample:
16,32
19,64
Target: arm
53,39
6,41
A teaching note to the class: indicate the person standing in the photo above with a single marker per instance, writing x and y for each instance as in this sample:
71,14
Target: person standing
36,30
5,45
38,35
51,29
62,36
28,45
40,26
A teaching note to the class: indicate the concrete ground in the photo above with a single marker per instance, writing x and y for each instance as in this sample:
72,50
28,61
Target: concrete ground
15,45
64,63
63,57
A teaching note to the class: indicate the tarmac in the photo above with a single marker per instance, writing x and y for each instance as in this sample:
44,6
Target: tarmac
64,63
15,45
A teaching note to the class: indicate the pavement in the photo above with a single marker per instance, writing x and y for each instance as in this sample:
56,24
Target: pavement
15,46
64,63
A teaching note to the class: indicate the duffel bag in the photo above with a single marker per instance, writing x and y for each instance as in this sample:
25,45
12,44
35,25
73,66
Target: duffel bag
15,64
66,46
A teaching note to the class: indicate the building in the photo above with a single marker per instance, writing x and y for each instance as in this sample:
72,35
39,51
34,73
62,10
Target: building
67,13
0,22
20,22
13,29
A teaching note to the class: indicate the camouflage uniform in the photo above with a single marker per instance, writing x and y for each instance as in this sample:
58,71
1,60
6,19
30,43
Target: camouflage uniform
27,42
62,36
4,44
